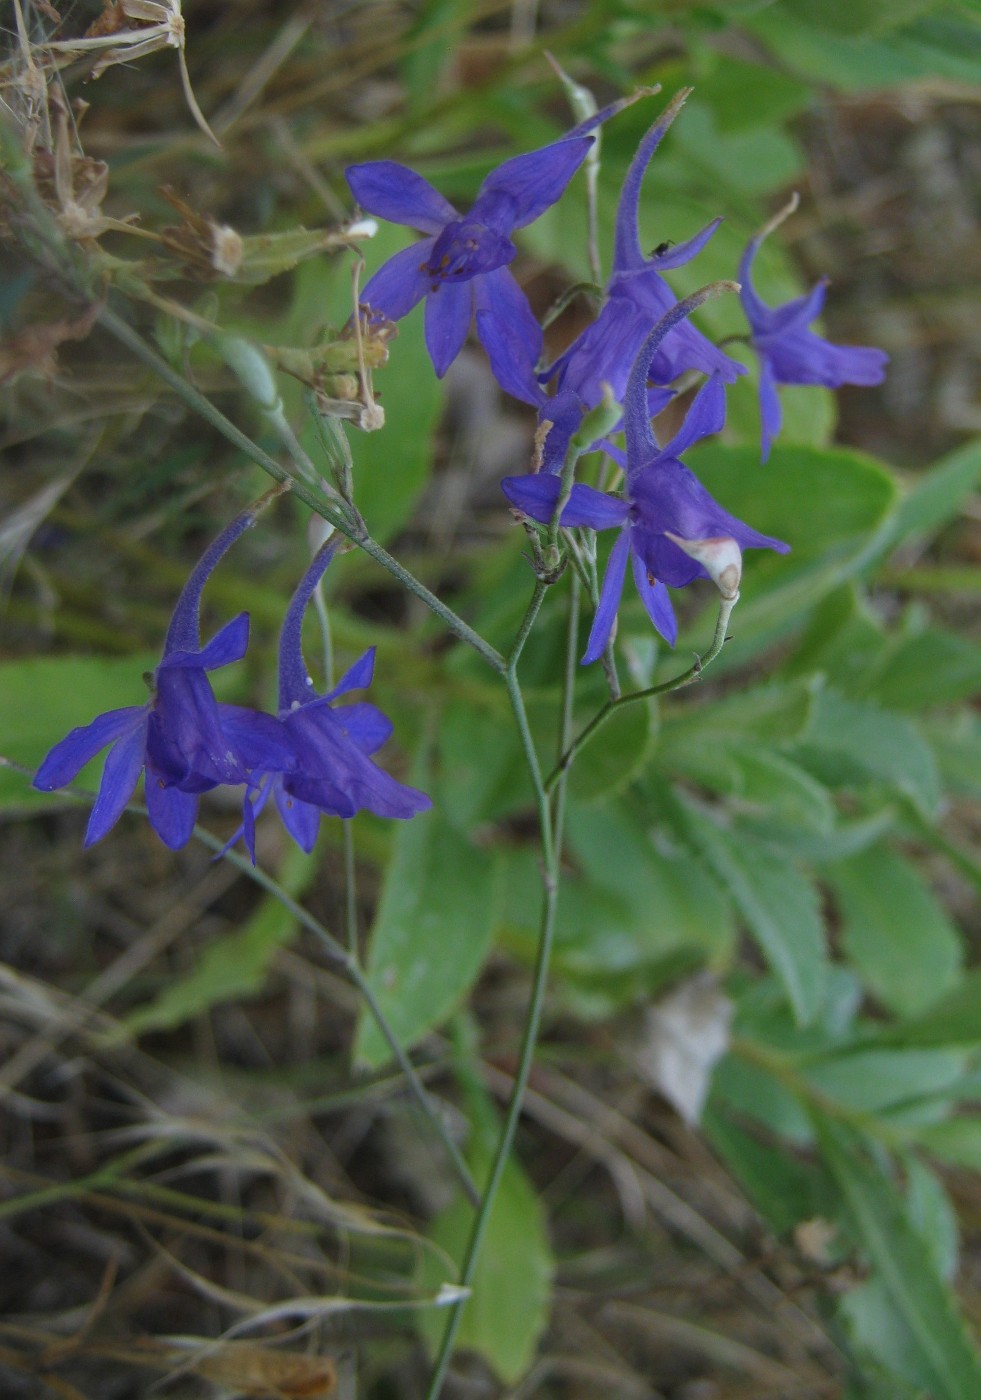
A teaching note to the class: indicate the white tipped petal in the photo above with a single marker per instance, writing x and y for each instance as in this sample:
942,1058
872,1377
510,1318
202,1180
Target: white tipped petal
721,558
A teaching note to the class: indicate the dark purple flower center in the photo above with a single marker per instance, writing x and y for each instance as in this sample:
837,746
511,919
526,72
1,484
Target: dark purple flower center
465,249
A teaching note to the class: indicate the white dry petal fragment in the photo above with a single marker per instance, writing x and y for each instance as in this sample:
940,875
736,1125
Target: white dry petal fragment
683,1038
161,26
721,558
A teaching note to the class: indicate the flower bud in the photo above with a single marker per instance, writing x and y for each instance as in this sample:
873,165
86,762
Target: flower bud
721,558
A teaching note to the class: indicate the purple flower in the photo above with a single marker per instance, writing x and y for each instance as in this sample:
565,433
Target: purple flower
460,267
671,529
789,353
636,297
177,737
334,773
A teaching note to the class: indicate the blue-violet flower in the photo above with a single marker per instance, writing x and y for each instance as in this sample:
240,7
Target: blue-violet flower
177,737
460,267
671,528
788,352
636,297
334,773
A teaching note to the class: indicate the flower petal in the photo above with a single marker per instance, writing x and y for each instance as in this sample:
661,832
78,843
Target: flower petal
300,819
655,598
771,413
509,332
366,725
70,755
609,600
172,813
356,677
399,283
706,415
521,189
185,741
682,253
124,762
449,311
228,645
398,194
538,493
260,741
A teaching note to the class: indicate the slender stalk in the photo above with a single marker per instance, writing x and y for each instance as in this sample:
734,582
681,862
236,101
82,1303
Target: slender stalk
694,673
550,829
338,515
347,962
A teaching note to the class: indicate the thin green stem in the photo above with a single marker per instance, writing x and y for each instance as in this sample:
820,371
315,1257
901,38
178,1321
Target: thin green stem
550,830
694,673
347,962
340,515
527,623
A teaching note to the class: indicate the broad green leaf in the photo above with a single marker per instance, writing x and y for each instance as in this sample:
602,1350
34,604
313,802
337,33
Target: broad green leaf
932,1215
907,1085
954,1140
431,934
482,772
956,1020
853,741
783,1189
843,640
757,778
614,754
895,931
903,1263
512,1287
235,967
752,161
938,494
42,698
926,670
778,904
928,47
811,497
956,743
774,714
775,96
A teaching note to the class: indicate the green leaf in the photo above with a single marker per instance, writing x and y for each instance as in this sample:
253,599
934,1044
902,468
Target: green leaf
755,777
783,1189
895,931
923,671
611,757
775,96
956,1020
778,904
938,494
42,698
431,934
232,968
956,742
903,1263
512,1286
852,741
774,714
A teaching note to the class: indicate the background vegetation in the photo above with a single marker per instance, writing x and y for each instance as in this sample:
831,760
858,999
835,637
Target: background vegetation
215,1181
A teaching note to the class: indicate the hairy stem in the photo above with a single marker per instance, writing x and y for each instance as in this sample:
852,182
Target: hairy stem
694,673
339,515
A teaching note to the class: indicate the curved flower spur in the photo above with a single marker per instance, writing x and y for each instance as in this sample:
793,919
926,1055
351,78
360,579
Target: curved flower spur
333,774
178,737
671,528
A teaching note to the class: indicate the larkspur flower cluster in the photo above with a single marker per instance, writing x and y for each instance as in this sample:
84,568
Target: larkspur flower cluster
315,756
638,347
